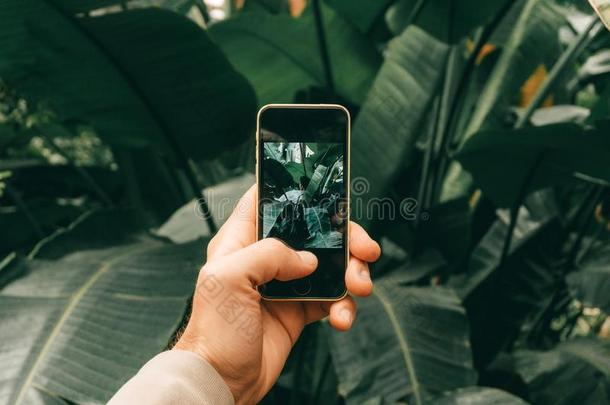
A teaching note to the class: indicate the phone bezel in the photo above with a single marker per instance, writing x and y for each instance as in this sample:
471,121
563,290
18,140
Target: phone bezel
348,187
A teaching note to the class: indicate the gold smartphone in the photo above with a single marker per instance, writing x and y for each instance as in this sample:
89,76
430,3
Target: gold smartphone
303,178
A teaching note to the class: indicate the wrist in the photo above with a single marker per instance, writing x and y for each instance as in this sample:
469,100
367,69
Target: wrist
197,347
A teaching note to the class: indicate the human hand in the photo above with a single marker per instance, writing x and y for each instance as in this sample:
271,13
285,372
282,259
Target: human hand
247,339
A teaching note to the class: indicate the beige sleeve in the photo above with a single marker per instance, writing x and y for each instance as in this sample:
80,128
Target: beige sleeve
175,377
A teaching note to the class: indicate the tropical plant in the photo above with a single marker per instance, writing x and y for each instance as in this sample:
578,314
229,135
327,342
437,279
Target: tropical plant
484,126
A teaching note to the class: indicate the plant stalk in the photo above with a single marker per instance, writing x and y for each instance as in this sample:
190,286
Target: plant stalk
26,211
322,45
573,51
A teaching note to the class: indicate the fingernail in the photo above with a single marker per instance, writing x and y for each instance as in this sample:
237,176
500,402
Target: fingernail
346,315
308,257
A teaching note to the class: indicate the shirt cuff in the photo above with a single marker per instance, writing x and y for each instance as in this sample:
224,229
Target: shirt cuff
175,377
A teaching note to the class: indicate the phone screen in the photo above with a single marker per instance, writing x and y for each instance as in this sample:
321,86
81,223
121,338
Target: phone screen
303,180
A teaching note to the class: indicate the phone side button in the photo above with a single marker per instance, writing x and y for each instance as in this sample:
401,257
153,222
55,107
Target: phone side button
301,286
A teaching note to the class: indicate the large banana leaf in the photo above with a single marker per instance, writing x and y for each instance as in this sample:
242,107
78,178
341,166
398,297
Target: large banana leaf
140,77
279,54
574,372
78,326
548,156
533,41
394,109
478,396
407,343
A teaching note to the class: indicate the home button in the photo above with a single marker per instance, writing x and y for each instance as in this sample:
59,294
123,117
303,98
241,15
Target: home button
301,286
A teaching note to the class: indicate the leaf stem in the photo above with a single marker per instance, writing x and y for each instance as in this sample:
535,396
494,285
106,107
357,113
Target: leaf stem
324,55
25,210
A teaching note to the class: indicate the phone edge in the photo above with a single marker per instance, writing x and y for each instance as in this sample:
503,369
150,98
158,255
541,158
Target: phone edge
348,191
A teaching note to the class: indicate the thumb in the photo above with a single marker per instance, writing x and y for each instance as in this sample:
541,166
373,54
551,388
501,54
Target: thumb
271,259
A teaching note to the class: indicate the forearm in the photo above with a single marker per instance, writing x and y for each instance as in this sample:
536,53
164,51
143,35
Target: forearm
175,377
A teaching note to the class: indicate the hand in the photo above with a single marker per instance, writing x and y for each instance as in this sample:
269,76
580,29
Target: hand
246,339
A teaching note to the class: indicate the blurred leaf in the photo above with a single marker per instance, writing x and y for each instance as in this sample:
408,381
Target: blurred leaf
485,258
447,20
79,326
547,156
7,136
478,396
124,74
84,6
394,110
596,64
39,180
591,282
576,372
407,343
279,54
500,299
49,215
187,223
533,40
427,264
448,228
361,13
558,114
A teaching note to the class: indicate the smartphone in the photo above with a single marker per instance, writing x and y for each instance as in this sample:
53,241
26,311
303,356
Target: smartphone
303,177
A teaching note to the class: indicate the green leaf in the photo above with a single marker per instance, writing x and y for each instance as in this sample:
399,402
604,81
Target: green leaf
7,136
317,220
574,372
124,74
407,343
314,184
46,212
591,282
79,326
271,213
558,114
533,40
394,111
478,396
547,156
485,257
501,299
361,13
447,20
279,54
326,240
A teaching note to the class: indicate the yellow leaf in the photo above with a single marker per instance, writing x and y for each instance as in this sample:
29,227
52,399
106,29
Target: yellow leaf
531,86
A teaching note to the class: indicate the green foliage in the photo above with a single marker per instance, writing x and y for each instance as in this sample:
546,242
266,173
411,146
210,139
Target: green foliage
114,114
118,298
